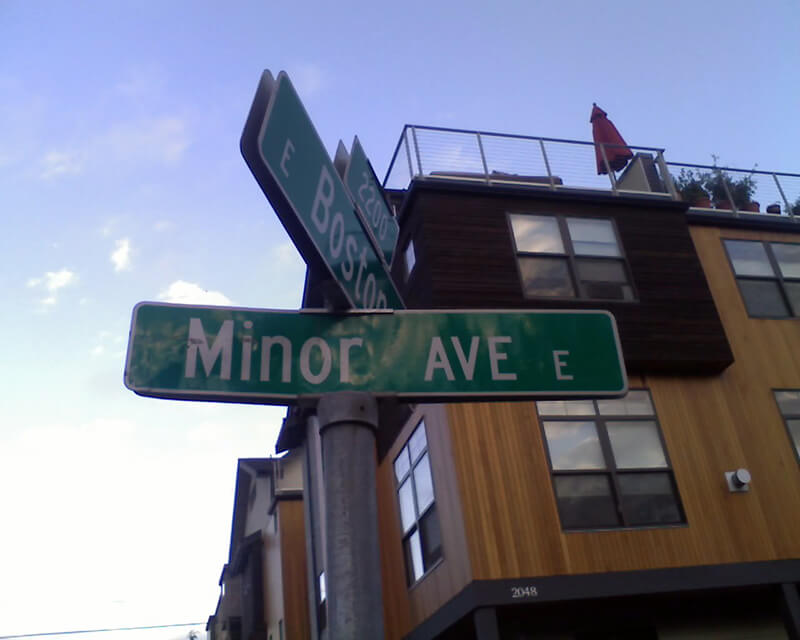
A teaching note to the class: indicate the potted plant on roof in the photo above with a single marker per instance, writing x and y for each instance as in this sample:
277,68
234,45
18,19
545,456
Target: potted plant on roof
691,186
741,190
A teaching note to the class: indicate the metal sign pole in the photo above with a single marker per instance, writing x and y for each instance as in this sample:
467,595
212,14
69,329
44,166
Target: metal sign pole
348,422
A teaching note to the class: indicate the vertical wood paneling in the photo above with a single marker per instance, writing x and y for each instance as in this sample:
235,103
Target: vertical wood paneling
405,607
291,528
711,424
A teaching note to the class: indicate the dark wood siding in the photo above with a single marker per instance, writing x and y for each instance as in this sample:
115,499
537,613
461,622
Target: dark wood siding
465,259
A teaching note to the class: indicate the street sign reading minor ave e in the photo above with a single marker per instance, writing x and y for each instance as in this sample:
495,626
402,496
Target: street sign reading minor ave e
278,357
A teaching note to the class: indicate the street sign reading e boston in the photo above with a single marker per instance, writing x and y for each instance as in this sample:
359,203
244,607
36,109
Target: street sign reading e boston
290,163
277,357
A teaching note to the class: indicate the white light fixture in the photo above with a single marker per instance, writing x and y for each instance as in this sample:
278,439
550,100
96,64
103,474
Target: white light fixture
738,480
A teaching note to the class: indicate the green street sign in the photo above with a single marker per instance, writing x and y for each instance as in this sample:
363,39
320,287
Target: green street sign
278,357
367,193
290,163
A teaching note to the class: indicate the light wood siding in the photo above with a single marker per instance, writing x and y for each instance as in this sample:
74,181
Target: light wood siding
404,607
710,424
291,529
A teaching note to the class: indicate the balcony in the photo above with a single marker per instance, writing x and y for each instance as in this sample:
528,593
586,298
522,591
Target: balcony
440,154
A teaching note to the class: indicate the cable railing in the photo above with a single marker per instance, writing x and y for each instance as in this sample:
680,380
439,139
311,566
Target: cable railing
443,154
737,191
436,153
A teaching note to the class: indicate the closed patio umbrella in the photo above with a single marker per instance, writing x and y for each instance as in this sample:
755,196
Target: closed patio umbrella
605,133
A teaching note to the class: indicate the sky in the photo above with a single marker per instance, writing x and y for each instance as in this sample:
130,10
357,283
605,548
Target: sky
121,181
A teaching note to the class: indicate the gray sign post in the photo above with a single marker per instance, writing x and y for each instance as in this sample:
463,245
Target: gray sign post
286,156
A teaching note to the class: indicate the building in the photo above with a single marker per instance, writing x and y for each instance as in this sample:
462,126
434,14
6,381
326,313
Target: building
263,585
670,513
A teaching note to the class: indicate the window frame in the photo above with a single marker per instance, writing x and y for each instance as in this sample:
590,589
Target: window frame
571,257
610,469
430,510
786,417
408,269
776,277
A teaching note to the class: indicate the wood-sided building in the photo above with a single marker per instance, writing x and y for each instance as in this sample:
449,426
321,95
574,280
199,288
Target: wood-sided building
263,586
595,519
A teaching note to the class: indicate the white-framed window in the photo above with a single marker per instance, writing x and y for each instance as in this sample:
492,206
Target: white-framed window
609,463
422,538
768,275
322,601
789,405
570,257
409,258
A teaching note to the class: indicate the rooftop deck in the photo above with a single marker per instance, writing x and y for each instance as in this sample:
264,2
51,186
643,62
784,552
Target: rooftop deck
435,153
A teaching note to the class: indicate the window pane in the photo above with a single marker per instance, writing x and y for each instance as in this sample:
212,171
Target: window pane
431,536
763,298
407,515
546,277
423,483
565,408
413,553
574,445
794,431
748,258
537,234
636,403
401,464
788,257
322,589
793,293
607,291
410,257
648,498
417,442
593,237
604,279
788,402
601,270
636,444
585,501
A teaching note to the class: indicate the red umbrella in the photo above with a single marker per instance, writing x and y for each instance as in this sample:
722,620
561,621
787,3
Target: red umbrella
605,133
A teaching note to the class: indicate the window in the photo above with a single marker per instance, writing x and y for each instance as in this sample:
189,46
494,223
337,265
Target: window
564,257
609,464
768,274
410,258
322,606
422,538
789,405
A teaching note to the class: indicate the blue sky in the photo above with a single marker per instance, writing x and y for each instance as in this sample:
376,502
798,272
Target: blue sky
121,180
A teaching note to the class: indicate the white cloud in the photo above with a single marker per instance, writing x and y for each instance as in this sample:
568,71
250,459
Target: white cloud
286,256
307,78
59,163
54,280
142,81
121,256
51,282
98,350
162,139
184,292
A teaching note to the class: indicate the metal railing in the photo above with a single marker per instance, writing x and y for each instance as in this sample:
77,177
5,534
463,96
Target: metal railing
493,158
437,153
737,191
